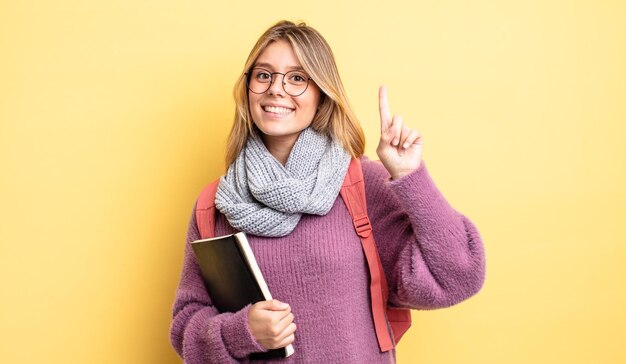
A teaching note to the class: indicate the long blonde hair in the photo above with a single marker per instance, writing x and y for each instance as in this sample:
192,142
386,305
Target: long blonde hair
334,116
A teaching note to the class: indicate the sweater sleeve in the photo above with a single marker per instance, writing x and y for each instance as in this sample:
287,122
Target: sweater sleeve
198,332
432,255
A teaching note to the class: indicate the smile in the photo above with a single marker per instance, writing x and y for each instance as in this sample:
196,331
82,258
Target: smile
278,110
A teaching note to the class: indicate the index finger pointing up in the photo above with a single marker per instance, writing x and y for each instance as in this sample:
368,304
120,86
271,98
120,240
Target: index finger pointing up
383,104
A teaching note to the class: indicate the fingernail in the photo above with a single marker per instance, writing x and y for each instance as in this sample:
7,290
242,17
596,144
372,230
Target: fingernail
405,145
395,141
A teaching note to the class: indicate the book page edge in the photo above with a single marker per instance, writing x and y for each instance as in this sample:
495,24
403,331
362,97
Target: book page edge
256,271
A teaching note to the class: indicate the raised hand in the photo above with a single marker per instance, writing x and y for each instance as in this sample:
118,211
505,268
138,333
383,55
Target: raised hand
400,147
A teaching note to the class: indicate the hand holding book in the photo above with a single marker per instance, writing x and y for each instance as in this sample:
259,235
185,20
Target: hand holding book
271,324
233,279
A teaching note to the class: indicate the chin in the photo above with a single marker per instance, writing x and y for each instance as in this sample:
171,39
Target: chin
278,131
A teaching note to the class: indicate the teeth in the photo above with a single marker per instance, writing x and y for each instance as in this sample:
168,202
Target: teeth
277,110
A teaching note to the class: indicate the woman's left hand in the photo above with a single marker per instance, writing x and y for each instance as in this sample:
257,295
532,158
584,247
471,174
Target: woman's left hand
400,147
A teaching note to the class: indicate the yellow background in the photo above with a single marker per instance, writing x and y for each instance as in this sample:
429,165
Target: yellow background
113,115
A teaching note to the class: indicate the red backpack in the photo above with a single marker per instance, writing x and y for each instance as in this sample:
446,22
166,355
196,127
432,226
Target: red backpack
353,194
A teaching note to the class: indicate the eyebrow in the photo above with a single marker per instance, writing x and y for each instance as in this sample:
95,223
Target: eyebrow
267,65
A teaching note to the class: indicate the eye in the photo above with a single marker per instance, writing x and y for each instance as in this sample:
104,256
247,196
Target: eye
297,77
261,75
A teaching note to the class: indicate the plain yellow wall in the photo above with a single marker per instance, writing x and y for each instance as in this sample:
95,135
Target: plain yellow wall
113,115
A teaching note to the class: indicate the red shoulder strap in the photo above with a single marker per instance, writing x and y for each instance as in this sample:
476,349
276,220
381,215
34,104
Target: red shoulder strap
205,210
353,194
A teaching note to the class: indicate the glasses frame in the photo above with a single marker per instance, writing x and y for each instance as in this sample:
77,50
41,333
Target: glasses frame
269,84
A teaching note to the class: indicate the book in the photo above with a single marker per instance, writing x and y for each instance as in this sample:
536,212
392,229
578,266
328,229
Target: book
233,278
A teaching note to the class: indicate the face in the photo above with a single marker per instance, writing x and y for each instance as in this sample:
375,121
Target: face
279,116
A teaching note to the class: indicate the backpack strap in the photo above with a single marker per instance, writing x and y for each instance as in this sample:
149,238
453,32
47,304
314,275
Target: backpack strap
353,194
205,210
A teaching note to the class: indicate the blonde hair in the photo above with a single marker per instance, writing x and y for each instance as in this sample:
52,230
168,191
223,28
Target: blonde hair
334,116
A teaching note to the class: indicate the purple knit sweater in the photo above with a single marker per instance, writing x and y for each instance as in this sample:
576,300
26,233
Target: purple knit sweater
432,256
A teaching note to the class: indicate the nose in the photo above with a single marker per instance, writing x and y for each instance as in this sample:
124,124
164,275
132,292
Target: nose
276,85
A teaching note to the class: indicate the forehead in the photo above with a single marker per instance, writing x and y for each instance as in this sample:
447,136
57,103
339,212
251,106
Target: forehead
278,56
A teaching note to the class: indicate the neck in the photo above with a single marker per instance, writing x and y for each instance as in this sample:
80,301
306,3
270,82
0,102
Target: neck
280,147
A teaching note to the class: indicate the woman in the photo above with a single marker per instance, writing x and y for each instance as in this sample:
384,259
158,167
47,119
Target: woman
292,140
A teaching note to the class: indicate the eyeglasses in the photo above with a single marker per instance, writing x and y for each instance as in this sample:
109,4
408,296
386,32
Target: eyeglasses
259,80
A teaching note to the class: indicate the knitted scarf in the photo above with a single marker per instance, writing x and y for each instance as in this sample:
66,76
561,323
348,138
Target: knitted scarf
260,196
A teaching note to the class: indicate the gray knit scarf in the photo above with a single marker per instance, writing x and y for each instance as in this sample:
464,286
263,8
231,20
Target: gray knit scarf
260,196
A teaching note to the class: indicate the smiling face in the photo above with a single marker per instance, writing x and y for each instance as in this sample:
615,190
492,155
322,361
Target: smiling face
279,116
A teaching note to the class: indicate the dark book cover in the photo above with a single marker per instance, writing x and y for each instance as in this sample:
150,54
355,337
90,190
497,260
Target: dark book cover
233,278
